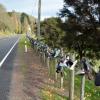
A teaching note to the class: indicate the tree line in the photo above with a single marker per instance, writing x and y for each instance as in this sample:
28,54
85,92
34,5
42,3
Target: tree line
15,21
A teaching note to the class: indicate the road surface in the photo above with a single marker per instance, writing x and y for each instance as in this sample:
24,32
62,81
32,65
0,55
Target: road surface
6,67
6,46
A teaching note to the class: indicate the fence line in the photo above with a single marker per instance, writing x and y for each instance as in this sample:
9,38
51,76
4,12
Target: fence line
46,61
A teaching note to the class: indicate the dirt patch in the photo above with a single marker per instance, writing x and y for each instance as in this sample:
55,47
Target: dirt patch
34,76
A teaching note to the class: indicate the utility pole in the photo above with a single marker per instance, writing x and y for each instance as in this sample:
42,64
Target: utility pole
39,18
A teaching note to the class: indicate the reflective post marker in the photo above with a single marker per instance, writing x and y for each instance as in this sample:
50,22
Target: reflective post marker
25,46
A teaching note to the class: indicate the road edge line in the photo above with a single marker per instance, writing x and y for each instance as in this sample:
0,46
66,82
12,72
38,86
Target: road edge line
5,57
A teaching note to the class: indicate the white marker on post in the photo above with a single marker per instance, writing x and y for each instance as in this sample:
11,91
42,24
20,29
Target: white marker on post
25,46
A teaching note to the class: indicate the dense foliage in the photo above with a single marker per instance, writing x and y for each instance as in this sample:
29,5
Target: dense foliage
52,31
83,25
5,21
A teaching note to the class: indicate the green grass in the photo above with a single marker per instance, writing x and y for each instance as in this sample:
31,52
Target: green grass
22,41
50,95
21,45
52,68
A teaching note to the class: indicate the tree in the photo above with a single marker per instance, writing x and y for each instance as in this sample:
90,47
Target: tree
5,20
52,32
13,16
14,21
33,25
25,22
83,17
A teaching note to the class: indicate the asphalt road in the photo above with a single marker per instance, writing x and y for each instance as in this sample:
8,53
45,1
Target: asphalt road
6,44
7,68
6,74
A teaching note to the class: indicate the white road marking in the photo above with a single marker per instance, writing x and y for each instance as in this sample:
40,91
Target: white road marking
3,60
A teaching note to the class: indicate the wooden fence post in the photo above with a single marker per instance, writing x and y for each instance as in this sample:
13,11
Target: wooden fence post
72,77
55,69
62,80
44,57
71,91
48,62
82,87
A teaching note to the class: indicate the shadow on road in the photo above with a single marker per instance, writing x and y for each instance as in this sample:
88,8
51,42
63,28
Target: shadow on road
6,75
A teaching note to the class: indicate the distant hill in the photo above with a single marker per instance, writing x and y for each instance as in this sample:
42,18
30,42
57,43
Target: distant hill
15,21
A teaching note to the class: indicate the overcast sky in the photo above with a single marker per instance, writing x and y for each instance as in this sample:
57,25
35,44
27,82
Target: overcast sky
49,7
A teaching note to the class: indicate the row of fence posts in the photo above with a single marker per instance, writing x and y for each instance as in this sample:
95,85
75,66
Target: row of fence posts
46,61
71,81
